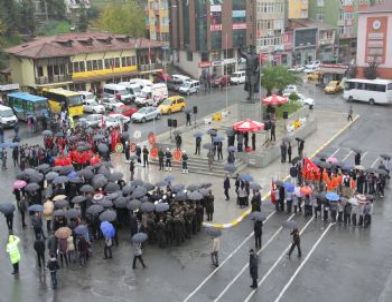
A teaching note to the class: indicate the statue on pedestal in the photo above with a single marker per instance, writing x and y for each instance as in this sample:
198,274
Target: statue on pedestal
252,80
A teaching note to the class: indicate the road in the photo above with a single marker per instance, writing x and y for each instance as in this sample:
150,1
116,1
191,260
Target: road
338,264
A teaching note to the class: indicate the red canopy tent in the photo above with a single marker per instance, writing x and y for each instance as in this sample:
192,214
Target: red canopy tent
275,100
248,126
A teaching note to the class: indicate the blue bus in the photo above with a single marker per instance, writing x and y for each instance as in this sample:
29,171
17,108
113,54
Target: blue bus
25,104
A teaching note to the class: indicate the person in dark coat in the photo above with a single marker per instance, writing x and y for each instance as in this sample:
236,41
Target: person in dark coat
83,247
281,198
226,187
133,224
161,156
132,169
145,156
178,141
289,151
127,149
256,202
168,157
258,232
210,206
184,162
283,152
357,159
36,221
254,141
39,247
253,268
240,142
198,144
296,242
52,245
188,118
272,130
9,217
220,150
139,154
53,266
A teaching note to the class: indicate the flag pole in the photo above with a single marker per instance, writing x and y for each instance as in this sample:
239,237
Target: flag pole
224,71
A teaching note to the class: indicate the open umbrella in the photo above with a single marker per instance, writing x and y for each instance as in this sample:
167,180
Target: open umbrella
332,196
290,224
98,137
59,197
111,187
63,203
181,196
86,173
127,189
19,184
103,148
133,157
213,232
108,215
255,186
36,177
36,208
357,150
7,208
115,176
162,207
105,202
306,190
231,149
114,195
192,187
198,134
169,178
218,139
212,132
73,213
137,182
279,183
81,229
51,175
120,202
87,189
246,177
177,132
385,156
229,168
139,237
258,216
78,199
63,233
289,187
47,133
359,167
161,184
323,164
60,213
32,187
205,185
149,186
295,160
134,204
230,132
107,229
65,170
83,147
99,182
177,188
204,192
60,180
275,100
381,172
248,126
43,168
195,195
370,170
147,207
332,160
139,192
94,209
125,135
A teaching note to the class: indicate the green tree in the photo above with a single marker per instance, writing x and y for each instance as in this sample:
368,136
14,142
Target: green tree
9,15
56,8
26,17
126,18
83,18
277,77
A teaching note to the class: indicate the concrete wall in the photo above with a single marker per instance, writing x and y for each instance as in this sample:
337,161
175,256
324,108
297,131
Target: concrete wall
22,71
190,67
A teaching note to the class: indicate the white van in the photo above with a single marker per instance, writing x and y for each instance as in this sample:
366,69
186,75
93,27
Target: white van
152,95
7,117
237,78
117,92
190,87
87,95
141,82
133,89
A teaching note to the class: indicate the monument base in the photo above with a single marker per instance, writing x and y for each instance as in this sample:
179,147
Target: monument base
251,111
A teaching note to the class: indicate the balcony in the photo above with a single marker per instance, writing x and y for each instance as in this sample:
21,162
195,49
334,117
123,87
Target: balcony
53,79
148,67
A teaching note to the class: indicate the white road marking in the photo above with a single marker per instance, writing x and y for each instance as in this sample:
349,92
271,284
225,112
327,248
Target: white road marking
247,265
223,262
276,262
347,156
375,163
333,154
303,263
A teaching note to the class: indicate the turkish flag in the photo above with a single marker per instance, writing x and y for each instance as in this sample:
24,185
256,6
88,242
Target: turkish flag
309,168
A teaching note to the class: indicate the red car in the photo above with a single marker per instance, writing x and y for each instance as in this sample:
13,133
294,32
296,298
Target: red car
221,81
125,110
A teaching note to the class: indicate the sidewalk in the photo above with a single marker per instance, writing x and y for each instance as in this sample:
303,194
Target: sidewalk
227,213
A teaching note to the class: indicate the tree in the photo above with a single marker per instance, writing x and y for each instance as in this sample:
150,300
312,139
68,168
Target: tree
83,18
9,15
277,77
26,14
56,8
126,18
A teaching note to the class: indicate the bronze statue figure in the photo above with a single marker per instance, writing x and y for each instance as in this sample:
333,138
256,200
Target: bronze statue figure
252,80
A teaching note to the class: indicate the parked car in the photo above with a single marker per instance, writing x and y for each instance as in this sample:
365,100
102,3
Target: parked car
125,110
313,76
92,120
333,87
237,77
221,81
145,114
297,68
87,95
92,106
172,104
152,95
7,117
133,89
313,65
118,92
305,100
116,120
190,87
289,90
110,104
174,84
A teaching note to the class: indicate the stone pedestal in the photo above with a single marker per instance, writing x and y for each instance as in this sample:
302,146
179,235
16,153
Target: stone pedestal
250,111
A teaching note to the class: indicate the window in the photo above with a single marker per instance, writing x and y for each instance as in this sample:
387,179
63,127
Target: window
320,3
390,86
40,71
189,56
89,66
320,17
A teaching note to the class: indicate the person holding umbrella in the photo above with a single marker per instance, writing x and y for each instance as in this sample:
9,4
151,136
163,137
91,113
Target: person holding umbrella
137,239
36,221
48,214
13,251
253,268
296,242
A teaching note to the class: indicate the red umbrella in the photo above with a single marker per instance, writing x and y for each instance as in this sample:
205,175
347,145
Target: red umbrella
248,126
275,100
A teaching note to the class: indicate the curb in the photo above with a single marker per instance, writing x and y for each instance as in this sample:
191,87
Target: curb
244,214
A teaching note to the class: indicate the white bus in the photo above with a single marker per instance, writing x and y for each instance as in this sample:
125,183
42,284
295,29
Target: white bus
376,91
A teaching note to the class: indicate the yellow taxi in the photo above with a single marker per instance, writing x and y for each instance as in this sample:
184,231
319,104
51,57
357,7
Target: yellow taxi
313,76
172,104
333,87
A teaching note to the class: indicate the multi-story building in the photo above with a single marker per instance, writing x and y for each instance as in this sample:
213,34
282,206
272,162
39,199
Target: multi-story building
205,35
271,19
374,39
83,61
298,9
157,21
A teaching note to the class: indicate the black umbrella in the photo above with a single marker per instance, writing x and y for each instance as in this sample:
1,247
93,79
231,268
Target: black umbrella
139,237
7,208
385,156
213,232
134,204
205,185
76,180
255,186
99,182
258,216
370,170
212,131
86,173
322,155
62,203
81,230
83,147
32,187
356,150
279,183
192,187
47,133
286,139
66,170
324,165
149,186
36,208
59,134
114,195
127,189
125,135
22,176
198,134
60,180
177,132
94,209
43,168
87,189
115,176
147,207
98,137
295,160
30,171
139,192
36,177
181,196
161,184
290,224
112,187
105,202
162,207
59,213
204,192
104,171
103,148
381,172
195,195
108,215
177,188
120,202
78,199
107,164
137,182
322,196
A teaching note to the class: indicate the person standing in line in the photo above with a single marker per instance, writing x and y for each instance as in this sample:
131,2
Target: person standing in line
13,250
139,154
48,214
39,247
188,118
168,157
137,255
258,232
289,151
53,266
253,268
184,162
226,187
350,113
132,169
220,150
215,251
296,242
198,144
161,156
145,156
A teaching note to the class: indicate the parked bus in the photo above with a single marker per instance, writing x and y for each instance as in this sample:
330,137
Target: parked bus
59,99
376,91
25,104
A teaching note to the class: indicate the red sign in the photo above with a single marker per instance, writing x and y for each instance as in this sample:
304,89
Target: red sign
204,64
239,25
376,39
288,40
216,27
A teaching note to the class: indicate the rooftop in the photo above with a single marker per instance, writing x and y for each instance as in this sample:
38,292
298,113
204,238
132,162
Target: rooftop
383,7
69,44
307,23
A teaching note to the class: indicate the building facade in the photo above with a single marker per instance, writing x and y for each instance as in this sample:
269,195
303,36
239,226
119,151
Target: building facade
206,34
298,9
83,61
374,40
157,20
